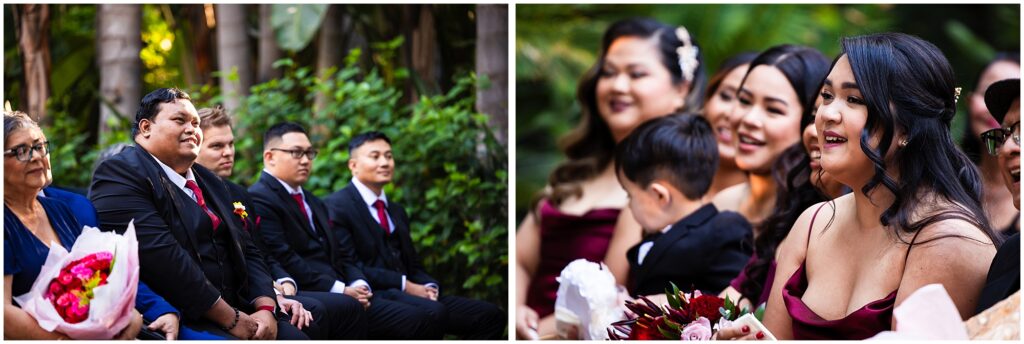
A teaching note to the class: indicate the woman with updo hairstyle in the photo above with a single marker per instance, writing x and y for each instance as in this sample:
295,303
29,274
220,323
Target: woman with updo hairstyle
719,100
914,217
646,69
777,92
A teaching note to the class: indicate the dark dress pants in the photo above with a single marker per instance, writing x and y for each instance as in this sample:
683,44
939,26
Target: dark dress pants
337,316
466,318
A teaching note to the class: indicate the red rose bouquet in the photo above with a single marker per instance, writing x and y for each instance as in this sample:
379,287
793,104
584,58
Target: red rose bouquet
693,316
88,292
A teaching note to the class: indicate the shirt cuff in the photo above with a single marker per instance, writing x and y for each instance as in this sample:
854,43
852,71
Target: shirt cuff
403,282
338,288
288,279
361,283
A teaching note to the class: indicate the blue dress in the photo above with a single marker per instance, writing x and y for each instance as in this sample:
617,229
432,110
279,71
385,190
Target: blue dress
24,255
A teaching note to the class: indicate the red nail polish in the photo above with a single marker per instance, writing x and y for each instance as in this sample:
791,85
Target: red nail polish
760,335
746,329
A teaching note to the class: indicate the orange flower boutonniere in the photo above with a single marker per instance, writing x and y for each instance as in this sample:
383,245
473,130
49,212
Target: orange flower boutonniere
240,210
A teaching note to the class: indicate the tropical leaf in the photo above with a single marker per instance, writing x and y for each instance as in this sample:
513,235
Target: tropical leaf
296,25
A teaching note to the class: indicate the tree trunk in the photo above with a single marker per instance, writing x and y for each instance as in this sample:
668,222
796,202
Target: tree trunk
269,51
34,42
424,49
233,54
492,61
329,53
119,43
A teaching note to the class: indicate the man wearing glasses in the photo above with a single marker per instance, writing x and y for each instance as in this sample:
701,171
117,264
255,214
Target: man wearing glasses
295,229
1003,101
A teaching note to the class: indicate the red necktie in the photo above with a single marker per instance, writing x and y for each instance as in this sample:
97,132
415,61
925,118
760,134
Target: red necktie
382,215
302,205
202,203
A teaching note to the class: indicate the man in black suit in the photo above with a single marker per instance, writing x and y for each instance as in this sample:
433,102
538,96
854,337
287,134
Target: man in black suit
381,232
295,228
192,251
320,315
666,166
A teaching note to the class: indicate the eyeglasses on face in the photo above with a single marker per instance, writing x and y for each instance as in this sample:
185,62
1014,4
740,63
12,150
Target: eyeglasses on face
298,153
995,138
23,152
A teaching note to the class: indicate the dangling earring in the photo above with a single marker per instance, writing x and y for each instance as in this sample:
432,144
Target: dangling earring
904,142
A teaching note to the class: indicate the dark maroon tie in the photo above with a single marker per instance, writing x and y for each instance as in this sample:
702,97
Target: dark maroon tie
382,215
191,185
302,205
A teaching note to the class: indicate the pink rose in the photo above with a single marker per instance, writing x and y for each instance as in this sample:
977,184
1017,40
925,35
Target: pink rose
699,329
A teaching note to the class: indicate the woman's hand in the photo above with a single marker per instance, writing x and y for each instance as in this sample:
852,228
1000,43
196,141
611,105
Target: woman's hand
738,332
527,322
130,332
300,316
168,324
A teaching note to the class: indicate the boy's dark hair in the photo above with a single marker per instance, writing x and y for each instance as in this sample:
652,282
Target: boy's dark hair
278,130
679,148
363,138
150,105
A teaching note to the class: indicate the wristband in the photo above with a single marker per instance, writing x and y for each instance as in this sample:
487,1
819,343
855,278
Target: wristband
267,308
233,323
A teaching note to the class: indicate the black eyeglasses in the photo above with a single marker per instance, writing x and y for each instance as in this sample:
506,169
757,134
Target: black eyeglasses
23,152
298,153
995,138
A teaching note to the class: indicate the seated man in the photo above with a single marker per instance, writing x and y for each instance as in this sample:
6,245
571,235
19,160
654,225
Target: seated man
1003,101
334,316
381,230
295,229
666,166
192,250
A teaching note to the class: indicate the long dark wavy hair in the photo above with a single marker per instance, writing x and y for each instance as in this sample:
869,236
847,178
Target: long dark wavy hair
970,142
908,86
590,146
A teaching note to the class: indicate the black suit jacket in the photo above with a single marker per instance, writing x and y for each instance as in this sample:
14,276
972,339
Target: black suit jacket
252,227
351,215
704,250
314,262
1003,276
132,186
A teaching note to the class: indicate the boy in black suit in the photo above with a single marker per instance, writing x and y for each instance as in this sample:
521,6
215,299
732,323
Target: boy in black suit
666,166
380,229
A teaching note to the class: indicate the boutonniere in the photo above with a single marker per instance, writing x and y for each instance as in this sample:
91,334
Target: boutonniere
240,210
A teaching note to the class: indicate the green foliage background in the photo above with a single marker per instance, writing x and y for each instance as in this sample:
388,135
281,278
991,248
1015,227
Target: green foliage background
451,173
555,44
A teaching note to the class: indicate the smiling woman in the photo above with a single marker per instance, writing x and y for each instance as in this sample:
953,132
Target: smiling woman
646,70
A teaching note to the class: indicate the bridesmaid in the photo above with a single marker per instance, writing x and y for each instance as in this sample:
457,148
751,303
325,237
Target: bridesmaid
720,99
914,217
777,92
646,69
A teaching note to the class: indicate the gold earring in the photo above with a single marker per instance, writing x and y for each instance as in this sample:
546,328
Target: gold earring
903,143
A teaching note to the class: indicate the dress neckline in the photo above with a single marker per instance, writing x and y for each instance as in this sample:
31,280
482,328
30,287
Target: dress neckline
792,299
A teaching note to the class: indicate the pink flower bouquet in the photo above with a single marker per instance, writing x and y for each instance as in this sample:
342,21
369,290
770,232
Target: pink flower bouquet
89,292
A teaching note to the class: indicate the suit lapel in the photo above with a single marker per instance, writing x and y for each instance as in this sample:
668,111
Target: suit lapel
290,206
364,214
679,231
185,217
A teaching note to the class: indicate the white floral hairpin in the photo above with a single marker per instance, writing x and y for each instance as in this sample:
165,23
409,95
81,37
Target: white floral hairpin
687,53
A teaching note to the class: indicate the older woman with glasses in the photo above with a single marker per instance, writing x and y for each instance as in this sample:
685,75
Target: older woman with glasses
32,224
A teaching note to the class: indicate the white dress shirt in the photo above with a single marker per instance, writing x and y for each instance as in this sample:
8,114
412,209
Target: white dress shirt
646,247
339,286
370,198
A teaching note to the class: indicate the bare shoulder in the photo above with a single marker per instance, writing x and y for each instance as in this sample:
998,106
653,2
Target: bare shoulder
794,247
730,197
